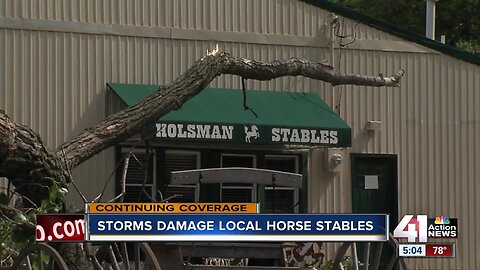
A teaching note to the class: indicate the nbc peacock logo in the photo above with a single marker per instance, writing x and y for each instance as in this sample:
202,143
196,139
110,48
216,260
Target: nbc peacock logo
442,220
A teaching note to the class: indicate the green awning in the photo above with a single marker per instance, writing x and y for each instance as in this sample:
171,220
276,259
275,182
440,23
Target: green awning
218,115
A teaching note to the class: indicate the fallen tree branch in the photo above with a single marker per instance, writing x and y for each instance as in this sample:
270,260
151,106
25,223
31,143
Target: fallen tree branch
17,217
126,123
73,181
123,180
24,159
21,196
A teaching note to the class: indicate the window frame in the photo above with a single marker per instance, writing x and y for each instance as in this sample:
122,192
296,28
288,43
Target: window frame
253,187
296,191
196,187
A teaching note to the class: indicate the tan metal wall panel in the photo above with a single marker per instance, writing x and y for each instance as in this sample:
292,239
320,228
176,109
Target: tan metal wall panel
430,122
285,17
327,192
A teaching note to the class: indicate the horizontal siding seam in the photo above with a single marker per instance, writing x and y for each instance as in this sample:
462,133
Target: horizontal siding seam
204,35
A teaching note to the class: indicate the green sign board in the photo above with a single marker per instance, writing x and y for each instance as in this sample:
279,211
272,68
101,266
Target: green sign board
251,134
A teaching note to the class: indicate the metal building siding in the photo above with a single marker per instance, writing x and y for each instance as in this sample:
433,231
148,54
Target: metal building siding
431,123
284,17
327,192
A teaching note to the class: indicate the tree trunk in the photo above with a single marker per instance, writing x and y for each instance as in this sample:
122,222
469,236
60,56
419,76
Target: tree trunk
25,160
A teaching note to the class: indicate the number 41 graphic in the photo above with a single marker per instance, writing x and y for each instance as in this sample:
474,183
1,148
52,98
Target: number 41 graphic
412,228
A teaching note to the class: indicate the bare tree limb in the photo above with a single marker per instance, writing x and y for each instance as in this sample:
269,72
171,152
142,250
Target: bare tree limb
99,196
21,196
91,255
123,180
16,216
126,123
171,198
74,184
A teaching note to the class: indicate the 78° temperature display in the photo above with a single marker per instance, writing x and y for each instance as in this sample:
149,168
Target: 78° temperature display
440,250
426,250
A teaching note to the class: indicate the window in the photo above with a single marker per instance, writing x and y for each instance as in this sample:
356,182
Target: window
281,199
237,192
180,161
139,184
154,183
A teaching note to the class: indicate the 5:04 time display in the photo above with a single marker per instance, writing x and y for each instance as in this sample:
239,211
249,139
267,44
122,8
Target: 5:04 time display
411,250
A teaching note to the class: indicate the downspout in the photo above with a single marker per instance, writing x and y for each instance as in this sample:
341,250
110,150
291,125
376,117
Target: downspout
332,25
332,61
332,43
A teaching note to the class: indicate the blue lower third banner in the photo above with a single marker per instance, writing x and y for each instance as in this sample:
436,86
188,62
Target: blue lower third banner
238,227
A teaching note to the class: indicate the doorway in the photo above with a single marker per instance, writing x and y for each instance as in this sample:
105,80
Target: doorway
374,190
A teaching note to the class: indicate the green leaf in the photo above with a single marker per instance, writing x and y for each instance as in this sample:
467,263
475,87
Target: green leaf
45,258
53,192
20,218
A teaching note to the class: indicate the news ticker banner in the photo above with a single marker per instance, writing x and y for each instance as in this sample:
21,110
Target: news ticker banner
442,250
238,227
205,221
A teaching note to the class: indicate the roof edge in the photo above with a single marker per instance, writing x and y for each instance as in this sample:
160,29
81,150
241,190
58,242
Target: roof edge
111,89
395,30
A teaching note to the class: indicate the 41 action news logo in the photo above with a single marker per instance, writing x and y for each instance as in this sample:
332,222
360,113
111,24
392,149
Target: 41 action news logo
420,228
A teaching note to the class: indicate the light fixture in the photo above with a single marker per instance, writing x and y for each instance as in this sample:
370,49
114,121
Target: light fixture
373,125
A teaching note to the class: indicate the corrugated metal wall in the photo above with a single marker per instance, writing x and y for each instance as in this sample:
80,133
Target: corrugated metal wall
431,122
268,17
54,81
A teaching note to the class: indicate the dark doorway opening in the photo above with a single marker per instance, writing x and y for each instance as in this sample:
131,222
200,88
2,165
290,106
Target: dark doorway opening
374,190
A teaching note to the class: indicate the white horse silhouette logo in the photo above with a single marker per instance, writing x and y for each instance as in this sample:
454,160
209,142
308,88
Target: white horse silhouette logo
251,134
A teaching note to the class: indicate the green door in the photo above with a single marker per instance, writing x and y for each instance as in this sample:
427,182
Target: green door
374,190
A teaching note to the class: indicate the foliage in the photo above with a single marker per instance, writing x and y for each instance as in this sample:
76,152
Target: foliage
53,203
458,20
8,247
347,264
470,46
406,14
12,236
